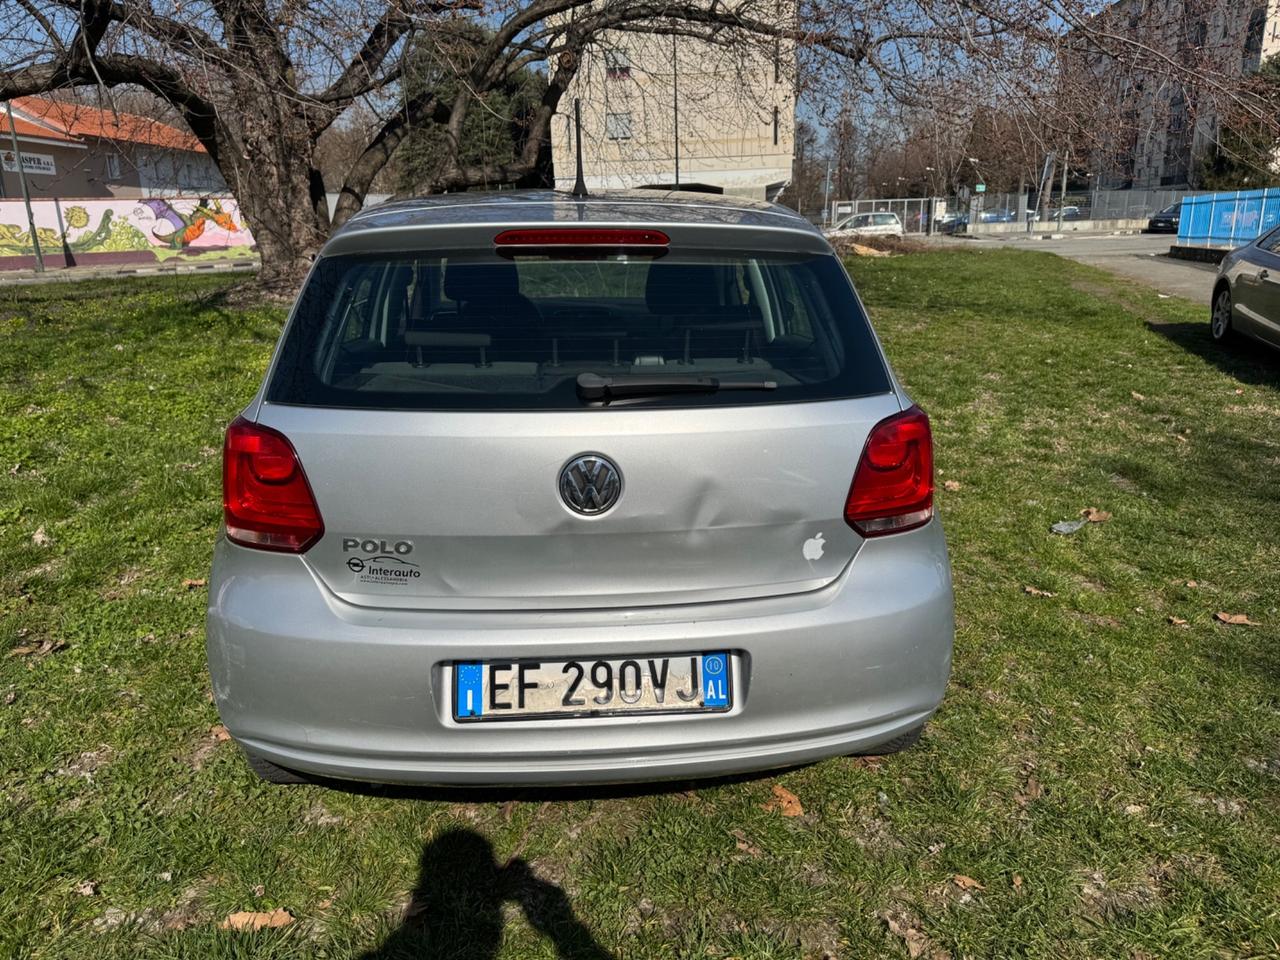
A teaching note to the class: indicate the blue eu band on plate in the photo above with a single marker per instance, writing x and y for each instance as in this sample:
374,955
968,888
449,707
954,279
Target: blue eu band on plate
544,689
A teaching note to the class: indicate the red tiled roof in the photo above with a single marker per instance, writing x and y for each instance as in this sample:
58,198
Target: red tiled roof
26,128
79,120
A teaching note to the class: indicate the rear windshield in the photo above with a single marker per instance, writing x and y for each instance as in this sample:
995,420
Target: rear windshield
437,331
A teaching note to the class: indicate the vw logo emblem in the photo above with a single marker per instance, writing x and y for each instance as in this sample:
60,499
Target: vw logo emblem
590,484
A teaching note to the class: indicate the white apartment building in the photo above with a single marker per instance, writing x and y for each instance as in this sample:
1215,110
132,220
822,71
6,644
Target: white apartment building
1168,125
660,111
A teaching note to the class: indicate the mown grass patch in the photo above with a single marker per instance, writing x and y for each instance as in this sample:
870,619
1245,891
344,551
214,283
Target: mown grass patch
1108,779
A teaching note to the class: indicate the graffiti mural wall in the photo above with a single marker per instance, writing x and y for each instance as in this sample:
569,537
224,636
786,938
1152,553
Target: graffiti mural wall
123,231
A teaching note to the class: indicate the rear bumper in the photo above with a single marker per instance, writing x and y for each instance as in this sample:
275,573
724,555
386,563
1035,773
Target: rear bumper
318,685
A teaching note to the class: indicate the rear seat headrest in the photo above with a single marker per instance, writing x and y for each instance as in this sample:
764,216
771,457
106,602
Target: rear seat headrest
480,281
680,287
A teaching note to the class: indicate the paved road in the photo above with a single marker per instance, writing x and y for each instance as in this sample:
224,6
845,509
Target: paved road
1140,257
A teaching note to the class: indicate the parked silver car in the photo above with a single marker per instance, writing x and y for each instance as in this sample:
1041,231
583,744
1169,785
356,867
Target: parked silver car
882,224
540,489
1246,295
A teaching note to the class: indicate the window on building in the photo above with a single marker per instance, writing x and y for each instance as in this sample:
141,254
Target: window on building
1253,37
617,64
777,121
113,166
617,126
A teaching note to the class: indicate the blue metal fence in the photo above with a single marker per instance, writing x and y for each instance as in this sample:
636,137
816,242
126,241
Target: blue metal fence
1228,219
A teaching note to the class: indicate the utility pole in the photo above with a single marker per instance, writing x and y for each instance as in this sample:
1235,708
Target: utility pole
1062,199
1046,188
26,196
826,196
675,104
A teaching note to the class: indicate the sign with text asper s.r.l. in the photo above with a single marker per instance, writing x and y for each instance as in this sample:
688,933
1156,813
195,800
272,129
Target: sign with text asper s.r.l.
38,163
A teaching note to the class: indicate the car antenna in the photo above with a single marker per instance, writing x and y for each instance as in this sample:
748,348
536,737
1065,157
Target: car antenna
580,187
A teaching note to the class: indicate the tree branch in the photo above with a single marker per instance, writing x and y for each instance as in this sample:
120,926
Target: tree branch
113,70
355,186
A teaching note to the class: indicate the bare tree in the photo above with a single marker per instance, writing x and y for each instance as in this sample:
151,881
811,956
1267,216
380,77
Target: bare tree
259,82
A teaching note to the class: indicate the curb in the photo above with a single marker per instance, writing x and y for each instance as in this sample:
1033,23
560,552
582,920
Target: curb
1198,254
67,274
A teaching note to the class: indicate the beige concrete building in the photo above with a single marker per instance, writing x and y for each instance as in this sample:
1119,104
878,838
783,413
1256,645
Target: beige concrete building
658,111
1168,125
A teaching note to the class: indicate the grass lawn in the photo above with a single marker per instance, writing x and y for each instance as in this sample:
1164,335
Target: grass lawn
1103,779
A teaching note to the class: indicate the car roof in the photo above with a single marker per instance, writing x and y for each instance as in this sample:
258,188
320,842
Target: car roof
548,207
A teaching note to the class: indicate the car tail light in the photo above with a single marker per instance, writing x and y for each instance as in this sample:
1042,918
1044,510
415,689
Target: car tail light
266,500
582,238
893,486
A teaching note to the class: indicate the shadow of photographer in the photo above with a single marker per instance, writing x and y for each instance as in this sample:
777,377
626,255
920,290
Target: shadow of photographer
455,911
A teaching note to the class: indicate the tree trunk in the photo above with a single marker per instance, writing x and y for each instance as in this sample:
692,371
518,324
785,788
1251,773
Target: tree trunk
268,161
288,235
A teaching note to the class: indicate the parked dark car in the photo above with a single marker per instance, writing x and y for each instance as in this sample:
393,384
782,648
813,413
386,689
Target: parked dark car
1167,220
998,216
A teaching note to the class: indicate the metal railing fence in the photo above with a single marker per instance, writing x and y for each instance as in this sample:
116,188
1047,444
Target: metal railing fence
1013,207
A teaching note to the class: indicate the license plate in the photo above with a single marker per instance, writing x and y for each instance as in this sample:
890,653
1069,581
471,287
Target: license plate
545,689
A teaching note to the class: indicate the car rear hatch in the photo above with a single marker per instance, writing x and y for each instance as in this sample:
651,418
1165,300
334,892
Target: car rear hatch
435,399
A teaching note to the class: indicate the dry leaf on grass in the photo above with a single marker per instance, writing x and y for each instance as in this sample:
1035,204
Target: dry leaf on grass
1177,621
916,940
86,888
40,538
1193,584
1017,882
745,845
785,802
42,650
1032,791
193,584
1136,395
1235,619
219,733
965,882
1094,515
1037,592
257,920
951,485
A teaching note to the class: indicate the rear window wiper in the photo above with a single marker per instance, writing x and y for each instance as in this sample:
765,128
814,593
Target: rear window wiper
594,388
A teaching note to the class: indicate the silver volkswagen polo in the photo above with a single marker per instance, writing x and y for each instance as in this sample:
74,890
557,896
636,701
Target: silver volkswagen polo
544,489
